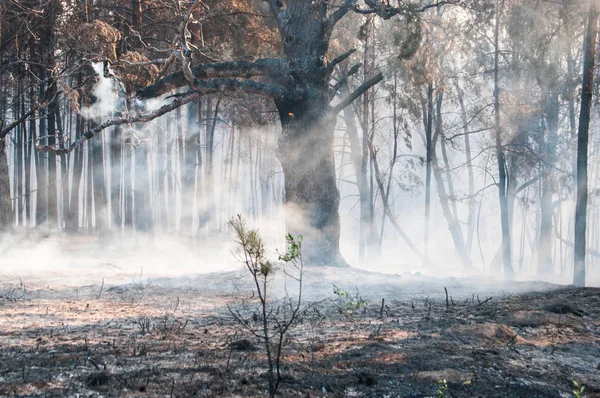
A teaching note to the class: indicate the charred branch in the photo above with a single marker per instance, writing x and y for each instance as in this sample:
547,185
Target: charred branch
357,93
338,14
344,79
341,58
228,69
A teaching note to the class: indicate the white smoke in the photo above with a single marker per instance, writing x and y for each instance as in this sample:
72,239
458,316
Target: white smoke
106,93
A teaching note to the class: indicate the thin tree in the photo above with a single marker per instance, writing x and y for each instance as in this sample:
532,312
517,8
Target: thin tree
587,88
506,250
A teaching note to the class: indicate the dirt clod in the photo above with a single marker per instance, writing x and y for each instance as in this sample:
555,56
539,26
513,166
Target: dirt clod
242,345
492,332
98,379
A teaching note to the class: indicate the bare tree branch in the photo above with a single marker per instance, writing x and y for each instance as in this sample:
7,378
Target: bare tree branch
338,14
357,93
20,120
386,11
128,119
344,79
437,4
341,58
228,69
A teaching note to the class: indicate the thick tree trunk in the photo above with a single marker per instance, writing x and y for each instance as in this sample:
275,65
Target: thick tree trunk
305,151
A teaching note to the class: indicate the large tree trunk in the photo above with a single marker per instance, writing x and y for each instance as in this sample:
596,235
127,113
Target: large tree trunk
305,150
305,147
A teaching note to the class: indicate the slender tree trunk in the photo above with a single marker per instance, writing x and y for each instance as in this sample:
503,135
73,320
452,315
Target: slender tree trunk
582,144
28,195
72,223
116,156
52,174
142,195
396,133
453,225
189,165
357,155
6,213
136,14
502,184
42,168
210,148
386,207
471,177
98,180
21,139
428,122
545,266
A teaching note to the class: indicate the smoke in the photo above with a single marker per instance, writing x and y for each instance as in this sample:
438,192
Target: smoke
85,260
106,94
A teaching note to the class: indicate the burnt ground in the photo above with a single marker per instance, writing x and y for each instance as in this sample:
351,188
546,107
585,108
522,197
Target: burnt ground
175,337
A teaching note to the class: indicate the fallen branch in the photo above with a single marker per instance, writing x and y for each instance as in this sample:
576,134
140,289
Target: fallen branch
484,301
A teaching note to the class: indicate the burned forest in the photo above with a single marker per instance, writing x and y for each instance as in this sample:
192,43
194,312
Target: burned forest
299,198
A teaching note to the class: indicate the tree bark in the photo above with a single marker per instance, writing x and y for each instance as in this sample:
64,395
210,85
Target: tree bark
6,212
357,154
100,194
142,200
472,210
545,266
582,144
305,150
428,121
502,183
72,222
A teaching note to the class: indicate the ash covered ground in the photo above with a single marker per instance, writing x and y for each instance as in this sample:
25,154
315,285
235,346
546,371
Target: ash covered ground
87,324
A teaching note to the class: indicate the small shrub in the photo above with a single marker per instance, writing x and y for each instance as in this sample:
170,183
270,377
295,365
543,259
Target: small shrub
578,390
273,320
442,389
348,304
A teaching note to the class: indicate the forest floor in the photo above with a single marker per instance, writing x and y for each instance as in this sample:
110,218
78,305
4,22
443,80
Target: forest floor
138,336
